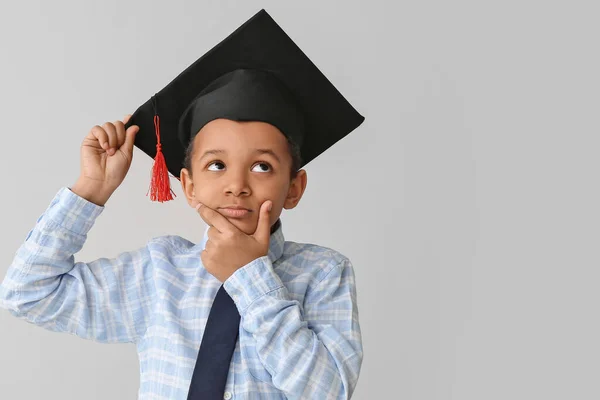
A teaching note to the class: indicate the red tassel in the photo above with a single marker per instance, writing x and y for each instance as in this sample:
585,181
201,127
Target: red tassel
160,189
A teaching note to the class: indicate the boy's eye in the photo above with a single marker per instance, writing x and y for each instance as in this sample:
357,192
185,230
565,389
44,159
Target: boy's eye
264,167
215,163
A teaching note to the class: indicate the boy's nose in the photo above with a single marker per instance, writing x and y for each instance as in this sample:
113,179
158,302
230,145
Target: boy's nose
237,184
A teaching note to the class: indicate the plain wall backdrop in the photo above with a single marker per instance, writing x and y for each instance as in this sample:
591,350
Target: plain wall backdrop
467,201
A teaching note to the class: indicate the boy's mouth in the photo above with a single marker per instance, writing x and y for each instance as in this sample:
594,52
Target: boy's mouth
234,211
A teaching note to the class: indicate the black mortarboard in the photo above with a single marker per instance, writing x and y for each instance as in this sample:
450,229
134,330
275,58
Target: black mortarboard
257,73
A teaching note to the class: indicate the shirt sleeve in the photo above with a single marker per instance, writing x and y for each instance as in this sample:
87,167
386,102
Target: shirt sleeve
315,353
106,300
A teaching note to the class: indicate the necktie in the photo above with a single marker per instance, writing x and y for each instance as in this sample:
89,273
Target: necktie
218,343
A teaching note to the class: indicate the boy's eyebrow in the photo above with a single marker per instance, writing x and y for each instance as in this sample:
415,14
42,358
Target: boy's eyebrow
268,151
215,151
259,151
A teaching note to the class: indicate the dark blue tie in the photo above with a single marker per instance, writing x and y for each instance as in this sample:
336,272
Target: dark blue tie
216,349
218,343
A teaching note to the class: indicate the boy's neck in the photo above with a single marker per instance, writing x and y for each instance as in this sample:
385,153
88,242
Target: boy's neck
275,225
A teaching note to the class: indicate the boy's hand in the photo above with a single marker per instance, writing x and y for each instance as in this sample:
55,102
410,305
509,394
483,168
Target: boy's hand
106,155
228,248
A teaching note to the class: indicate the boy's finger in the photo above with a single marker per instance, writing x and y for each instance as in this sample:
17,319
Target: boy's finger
127,147
126,118
263,229
212,233
120,128
111,132
100,134
213,218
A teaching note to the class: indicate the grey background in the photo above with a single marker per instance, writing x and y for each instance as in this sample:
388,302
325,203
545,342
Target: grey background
467,201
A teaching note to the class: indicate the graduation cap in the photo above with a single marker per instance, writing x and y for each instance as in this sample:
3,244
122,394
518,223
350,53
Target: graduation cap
257,73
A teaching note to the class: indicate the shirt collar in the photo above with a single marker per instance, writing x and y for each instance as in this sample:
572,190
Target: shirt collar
276,241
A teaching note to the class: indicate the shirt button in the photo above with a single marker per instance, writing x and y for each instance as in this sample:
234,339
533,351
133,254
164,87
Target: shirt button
227,395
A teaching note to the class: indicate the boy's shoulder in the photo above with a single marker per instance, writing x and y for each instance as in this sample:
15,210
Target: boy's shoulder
314,259
313,251
174,244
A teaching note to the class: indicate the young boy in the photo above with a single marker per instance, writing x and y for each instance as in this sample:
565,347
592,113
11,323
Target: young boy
244,314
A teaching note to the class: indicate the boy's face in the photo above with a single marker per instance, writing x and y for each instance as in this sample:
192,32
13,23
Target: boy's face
242,164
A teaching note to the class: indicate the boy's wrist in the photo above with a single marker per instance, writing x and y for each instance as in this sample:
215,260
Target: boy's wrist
91,192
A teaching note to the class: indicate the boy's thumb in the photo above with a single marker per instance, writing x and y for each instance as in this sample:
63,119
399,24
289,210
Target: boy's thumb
263,229
130,134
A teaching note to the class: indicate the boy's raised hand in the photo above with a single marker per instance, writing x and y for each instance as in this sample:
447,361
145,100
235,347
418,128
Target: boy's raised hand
106,155
228,248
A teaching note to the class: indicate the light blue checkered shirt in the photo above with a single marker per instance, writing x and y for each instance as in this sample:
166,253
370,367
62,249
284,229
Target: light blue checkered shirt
299,335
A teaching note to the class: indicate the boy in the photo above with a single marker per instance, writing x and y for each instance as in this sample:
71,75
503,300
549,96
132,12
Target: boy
244,314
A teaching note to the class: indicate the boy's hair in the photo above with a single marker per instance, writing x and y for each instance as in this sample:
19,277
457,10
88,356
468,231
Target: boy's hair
293,148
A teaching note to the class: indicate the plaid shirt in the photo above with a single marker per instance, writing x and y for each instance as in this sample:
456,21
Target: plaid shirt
299,335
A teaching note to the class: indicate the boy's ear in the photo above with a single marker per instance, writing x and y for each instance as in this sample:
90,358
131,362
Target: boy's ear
187,185
296,190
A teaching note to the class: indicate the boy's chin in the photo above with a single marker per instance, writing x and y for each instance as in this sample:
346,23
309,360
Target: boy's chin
246,225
